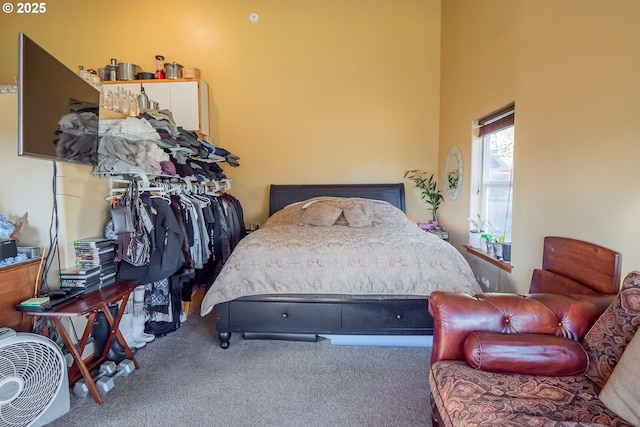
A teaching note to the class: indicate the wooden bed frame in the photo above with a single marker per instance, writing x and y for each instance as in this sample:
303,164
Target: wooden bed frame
304,317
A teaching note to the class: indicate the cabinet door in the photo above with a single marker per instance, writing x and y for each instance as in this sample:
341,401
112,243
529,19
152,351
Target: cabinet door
161,93
187,101
16,285
185,104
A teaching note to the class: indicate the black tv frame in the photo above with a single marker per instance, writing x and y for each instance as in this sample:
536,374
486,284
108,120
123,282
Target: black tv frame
47,91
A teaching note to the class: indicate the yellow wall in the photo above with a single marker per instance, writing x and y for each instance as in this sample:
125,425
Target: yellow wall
333,91
573,70
28,188
16,173
314,92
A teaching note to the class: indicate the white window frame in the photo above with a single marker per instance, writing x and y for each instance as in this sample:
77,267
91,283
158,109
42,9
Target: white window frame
480,182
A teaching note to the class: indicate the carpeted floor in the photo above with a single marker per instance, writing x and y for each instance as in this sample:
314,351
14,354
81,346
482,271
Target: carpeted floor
186,379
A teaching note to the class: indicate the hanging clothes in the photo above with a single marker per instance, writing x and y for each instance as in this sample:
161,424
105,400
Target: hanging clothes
166,244
163,300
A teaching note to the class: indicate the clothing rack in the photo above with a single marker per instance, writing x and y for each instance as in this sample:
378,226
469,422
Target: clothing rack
167,185
118,184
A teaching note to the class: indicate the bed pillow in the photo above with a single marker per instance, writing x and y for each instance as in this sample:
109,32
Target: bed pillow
528,354
320,214
358,213
621,392
356,217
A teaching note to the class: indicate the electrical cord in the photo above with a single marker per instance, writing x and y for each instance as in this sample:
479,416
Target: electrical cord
506,214
54,225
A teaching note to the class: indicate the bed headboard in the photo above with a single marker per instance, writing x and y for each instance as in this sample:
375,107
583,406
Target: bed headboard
283,195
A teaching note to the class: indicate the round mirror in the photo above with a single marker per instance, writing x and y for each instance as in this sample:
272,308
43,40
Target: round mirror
454,173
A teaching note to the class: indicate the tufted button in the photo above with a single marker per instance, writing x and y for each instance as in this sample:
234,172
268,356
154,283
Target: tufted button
285,315
506,320
560,324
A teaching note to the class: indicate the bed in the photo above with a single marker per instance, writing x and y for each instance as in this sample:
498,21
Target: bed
293,281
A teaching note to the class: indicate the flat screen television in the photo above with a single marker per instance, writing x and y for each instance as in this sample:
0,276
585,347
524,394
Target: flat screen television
57,109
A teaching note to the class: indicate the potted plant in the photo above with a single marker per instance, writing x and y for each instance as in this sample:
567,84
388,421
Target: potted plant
506,251
490,241
477,228
498,245
428,187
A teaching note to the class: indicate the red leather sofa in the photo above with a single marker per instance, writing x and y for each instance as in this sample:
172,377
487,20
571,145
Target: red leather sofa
528,360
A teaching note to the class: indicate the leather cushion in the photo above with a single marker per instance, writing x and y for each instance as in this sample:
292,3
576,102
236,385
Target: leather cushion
529,354
456,315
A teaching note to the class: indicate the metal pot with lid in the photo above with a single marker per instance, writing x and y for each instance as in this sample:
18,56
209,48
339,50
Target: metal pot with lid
172,70
127,71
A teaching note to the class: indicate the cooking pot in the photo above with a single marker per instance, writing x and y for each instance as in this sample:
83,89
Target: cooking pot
107,73
145,76
172,70
127,71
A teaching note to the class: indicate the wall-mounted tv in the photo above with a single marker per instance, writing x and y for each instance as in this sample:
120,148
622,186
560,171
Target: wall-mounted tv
57,109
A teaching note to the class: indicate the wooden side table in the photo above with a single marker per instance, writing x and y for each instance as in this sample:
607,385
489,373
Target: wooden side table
90,304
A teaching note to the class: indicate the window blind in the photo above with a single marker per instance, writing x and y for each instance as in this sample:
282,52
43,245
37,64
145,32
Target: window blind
497,121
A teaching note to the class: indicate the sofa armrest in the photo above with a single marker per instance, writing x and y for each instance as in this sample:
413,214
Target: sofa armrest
456,315
528,354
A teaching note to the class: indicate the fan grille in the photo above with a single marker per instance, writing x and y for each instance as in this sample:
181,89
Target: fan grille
37,367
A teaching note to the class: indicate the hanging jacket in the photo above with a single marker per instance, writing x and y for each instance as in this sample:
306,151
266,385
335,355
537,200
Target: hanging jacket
166,249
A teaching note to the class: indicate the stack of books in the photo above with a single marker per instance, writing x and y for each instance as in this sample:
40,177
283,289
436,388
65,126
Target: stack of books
86,278
95,252
34,304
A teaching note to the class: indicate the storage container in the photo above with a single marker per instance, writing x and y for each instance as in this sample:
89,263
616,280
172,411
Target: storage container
173,70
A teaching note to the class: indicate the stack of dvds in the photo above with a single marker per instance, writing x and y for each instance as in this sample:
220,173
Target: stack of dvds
97,252
86,278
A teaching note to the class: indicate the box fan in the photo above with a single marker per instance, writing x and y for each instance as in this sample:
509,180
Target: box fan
33,380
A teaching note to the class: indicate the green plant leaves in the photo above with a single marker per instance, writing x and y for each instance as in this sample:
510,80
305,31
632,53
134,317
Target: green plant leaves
428,187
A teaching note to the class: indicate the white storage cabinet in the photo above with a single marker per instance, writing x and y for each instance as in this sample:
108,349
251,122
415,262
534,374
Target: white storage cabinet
188,100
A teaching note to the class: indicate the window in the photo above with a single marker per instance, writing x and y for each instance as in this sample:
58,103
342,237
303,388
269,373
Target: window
493,169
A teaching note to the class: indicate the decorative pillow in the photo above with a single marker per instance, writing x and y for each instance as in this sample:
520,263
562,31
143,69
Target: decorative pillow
356,212
621,393
355,216
528,354
320,214
608,337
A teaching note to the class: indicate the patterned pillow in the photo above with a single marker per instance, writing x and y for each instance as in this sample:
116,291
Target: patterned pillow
608,337
358,213
320,214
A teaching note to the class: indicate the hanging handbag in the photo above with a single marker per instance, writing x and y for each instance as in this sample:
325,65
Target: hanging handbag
134,246
122,219
122,214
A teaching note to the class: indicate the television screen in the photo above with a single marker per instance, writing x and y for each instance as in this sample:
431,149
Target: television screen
57,109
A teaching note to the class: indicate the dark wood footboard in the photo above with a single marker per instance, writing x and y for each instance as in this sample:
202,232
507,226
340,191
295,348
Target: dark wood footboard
306,316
